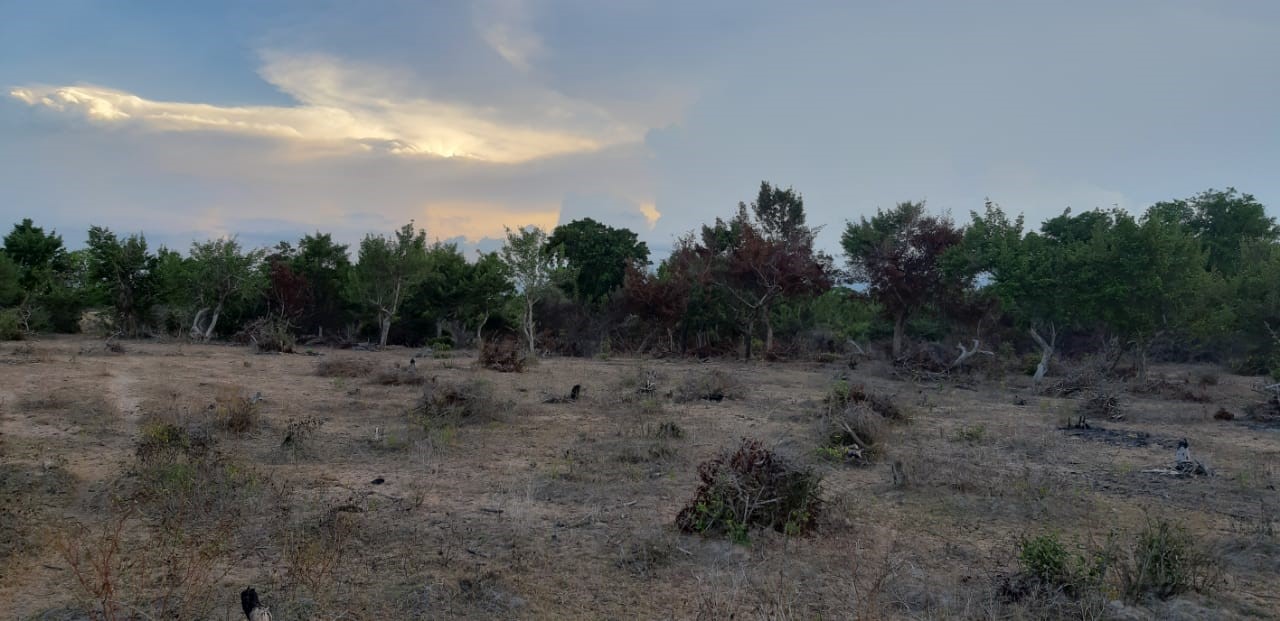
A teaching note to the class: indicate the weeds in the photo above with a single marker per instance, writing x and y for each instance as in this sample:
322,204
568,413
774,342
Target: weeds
843,394
1165,561
344,367
714,385
457,402
235,412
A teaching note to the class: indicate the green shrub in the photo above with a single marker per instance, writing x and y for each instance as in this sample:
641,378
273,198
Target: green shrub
10,325
1164,562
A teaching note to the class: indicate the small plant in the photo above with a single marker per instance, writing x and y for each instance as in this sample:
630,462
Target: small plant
972,434
1165,561
1049,566
235,412
714,385
669,430
457,402
504,355
344,367
752,487
299,437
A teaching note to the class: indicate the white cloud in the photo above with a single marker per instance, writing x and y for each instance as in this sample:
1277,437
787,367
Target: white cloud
352,108
505,26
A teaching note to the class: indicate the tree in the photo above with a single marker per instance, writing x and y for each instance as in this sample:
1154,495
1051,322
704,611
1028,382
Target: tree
37,254
598,255
387,271
1221,220
441,295
125,270
223,273
899,254
487,289
10,281
534,269
762,255
326,267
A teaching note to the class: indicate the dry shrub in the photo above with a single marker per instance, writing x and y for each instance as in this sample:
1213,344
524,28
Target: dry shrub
399,376
752,487
714,385
235,411
1078,379
504,355
853,435
1170,390
1101,404
181,478
270,336
300,438
1267,410
1165,560
843,394
344,367
457,402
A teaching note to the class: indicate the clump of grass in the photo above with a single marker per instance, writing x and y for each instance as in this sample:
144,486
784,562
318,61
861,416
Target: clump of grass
300,437
752,487
182,478
344,367
455,402
714,385
669,430
970,434
399,376
235,411
1164,561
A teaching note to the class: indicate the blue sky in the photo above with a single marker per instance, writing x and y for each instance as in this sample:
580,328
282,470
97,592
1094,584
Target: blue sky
271,119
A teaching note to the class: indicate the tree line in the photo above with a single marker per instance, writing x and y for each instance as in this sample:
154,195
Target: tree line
1194,278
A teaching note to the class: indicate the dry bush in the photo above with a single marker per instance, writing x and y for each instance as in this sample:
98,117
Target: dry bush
1078,379
1101,404
714,385
752,487
269,335
1170,390
504,355
457,402
300,438
843,394
399,376
853,435
235,411
344,367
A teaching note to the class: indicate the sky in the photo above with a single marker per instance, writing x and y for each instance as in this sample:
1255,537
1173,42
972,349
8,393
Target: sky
272,119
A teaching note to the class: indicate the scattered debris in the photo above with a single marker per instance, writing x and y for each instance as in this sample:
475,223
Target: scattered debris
752,486
1183,465
570,398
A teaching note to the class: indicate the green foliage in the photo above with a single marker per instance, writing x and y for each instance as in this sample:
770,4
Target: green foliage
1222,221
327,269
1165,561
534,269
388,271
598,255
1050,563
38,255
225,278
10,281
125,271
11,325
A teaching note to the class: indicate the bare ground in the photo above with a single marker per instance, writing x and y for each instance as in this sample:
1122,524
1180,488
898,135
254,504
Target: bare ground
544,511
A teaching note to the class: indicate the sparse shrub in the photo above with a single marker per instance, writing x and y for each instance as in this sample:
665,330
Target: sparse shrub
235,412
1208,378
972,434
842,394
1165,561
299,437
1101,404
269,335
853,435
1047,561
504,355
714,385
344,367
752,487
457,402
399,376
669,430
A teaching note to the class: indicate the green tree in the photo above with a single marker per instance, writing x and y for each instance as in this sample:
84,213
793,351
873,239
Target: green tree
534,270
327,268
223,274
598,255
387,271
37,254
10,281
124,270
487,291
898,254
442,293
1222,220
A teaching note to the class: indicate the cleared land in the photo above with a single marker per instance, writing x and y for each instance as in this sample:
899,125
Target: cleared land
187,473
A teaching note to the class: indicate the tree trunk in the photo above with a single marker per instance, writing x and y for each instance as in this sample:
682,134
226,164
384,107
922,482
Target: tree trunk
213,322
750,335
1140,360
768,331
384,328
196,331
1046,351
528,326
899,327
480,331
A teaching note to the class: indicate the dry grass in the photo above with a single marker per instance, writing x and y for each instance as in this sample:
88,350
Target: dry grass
471,498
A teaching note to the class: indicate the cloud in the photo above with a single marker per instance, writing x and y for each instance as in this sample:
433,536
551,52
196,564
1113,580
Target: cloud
505,25
347,107
474,221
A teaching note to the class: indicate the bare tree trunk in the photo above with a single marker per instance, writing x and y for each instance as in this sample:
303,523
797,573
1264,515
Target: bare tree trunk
384,325
1046,351
751,333
899,327
213,321
1140,359
196,330
528,326
480,330
768,332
